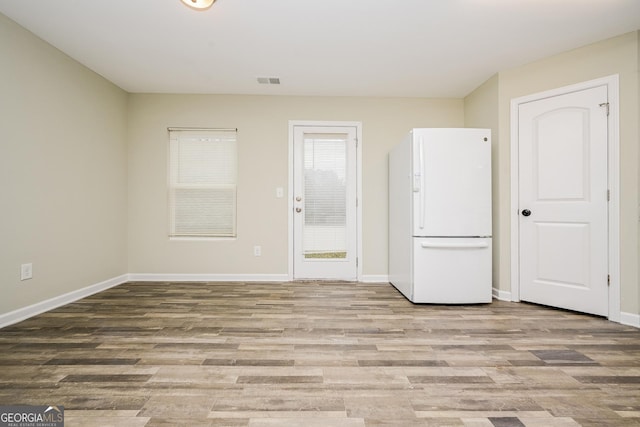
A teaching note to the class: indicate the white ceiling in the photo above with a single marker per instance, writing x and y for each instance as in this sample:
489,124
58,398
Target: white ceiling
412,48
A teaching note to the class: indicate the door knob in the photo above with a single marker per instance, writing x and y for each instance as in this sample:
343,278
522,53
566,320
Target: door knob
298,210
298,199
526,212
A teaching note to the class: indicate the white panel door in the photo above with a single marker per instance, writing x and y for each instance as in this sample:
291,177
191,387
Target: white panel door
452,182
563,201
324,192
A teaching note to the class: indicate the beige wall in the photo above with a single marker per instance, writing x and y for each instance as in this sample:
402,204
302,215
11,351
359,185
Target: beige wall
62,172
618,55
262,123
481,110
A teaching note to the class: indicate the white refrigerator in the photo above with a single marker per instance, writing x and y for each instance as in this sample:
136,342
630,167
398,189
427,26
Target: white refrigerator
440,216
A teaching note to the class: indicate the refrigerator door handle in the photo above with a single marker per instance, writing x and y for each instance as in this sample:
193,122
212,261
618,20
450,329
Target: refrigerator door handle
453,245
421,175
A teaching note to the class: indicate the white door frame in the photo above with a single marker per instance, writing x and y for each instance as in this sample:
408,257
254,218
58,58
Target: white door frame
614,185
358,127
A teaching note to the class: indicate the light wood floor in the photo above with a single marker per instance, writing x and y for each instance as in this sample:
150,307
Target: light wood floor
318,354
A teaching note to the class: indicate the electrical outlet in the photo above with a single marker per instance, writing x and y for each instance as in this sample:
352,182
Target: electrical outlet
26,271
257,251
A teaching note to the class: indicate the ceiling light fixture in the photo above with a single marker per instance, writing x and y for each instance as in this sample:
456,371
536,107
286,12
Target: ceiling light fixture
199,4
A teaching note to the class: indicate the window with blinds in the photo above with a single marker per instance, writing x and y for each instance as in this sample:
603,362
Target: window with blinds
202,183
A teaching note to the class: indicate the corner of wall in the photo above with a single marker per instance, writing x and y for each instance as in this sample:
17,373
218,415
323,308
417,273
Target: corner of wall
481,109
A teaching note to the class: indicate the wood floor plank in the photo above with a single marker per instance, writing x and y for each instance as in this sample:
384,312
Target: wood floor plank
318,353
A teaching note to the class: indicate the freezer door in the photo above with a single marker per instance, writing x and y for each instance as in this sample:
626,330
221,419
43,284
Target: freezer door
452,271
451,182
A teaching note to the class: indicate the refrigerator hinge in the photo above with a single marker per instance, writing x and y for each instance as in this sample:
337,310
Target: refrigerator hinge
605,104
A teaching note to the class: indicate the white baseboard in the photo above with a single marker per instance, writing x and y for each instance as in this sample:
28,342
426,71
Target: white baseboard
24,313
501,295
630,319
141,277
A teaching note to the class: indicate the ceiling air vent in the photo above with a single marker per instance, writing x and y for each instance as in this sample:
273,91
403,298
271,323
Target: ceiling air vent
269,80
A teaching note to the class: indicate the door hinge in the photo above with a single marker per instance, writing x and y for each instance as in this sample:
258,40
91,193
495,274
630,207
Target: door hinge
608,280
356,261
608,195
605,104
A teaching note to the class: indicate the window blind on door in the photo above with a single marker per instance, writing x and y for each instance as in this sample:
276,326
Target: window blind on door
325,172
202,183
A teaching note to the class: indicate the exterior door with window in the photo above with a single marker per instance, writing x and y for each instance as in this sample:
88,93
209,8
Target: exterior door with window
324,202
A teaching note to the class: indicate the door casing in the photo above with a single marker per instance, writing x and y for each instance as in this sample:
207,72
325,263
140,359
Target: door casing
613,166
290,195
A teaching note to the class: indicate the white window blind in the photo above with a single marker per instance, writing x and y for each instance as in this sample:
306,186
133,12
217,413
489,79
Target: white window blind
202,183
325,190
